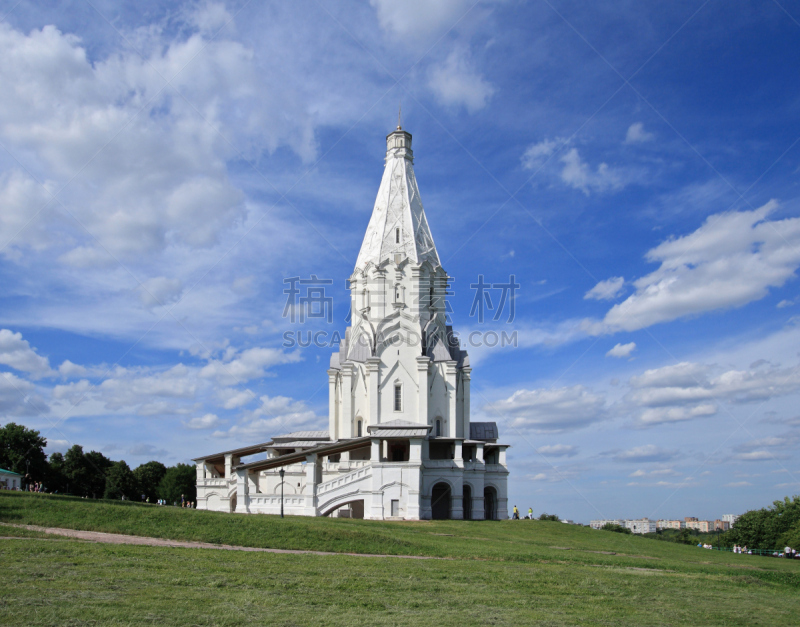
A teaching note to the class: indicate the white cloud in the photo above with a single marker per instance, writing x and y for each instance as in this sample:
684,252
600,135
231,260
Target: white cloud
731,260
159,291
636,134
207,421
414,20
738,484
579,175
275,415
249,364
689,390
536,154
69,370
456,83
645,453
557,450
18,397
622,350
18,354
785,303
606,290
551,410
233,399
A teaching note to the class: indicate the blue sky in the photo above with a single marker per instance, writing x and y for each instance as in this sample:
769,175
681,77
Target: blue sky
163,167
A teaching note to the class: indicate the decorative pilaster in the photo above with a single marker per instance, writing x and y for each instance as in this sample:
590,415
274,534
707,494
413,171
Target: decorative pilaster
348,430
333,418
450,378
373,368
422,389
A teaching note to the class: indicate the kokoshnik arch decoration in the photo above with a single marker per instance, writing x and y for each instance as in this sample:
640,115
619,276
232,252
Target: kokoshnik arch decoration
400,443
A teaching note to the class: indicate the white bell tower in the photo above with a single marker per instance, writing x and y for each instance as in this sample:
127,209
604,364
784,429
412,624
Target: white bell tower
399,359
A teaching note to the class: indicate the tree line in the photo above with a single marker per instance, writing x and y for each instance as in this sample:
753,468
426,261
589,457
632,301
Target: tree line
770,528
91,474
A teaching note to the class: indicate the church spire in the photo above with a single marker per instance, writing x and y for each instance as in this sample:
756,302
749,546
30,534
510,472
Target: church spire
398,224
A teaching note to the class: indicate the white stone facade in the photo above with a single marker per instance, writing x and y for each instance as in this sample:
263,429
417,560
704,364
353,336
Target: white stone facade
400,443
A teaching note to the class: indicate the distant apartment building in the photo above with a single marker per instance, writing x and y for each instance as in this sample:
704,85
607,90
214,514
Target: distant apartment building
703,526
641,525
670,524
689,519
730,519
721,525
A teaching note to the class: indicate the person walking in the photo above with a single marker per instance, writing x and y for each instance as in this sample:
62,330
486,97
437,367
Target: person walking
515,516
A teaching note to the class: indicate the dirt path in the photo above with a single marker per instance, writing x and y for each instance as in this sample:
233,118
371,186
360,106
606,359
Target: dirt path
119,538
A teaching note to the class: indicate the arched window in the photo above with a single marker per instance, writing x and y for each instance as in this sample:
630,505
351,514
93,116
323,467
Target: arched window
358,428
438,428
398,397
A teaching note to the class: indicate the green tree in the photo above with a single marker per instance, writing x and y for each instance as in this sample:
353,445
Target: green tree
180,479
86,472
120,482
22,451
765,528
148,477
57,477
546,516
98,466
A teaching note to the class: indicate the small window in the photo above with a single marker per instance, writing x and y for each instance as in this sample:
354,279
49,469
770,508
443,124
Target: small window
438,428
358,429
398,397
395,508
397,236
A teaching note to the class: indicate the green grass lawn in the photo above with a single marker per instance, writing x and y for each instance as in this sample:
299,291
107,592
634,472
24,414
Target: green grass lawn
511,572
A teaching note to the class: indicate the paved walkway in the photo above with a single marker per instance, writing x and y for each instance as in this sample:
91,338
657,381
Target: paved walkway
119,538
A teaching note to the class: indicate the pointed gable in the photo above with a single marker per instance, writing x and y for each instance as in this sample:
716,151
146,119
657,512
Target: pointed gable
398,224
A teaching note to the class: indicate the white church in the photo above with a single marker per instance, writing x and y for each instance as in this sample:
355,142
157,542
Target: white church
400,444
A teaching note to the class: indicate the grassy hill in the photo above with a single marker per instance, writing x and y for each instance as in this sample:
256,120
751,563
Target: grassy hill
510,572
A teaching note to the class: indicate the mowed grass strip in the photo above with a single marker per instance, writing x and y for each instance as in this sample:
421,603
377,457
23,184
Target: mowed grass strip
507,541
74,583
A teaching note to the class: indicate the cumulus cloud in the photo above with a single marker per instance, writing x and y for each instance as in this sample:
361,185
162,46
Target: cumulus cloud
147,167
552,410
731,260
249,364
275,415
18,354
418,19
645,453
689,390
536,154
207,421
606,290
68,370
579,175
159,291
622,350
636,134
557,450
18,397
456,83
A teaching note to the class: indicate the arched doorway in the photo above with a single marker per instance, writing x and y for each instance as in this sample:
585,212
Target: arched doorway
467,502
233,504
440,502
490,503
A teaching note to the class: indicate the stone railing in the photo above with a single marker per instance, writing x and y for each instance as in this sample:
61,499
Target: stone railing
338,482
214,482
